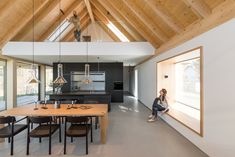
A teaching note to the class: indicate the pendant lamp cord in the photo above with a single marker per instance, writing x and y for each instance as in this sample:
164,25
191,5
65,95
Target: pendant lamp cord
60,32
34,68
87,46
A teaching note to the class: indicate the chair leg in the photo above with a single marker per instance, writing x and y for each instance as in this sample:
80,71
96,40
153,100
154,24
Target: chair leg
27,150
60,131
12,144
71,139
65,144
31,125
9,140
40,140
91,131
86,143
50,145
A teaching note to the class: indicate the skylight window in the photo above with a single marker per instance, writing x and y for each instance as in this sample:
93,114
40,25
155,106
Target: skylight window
59,30
117,32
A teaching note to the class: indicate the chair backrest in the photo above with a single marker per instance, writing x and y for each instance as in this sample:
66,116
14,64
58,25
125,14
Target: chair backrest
39,120
7,120
77,119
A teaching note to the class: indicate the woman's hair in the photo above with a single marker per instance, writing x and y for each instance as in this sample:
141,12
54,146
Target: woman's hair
164,91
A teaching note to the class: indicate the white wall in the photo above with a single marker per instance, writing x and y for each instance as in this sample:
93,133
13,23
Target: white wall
219,89
96,33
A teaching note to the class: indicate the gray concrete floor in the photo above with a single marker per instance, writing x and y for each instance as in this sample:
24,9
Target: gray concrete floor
129,135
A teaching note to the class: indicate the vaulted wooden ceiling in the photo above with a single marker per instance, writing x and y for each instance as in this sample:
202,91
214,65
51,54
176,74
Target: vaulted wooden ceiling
155,21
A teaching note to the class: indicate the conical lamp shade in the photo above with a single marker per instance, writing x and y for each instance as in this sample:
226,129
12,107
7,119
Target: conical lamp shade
60,80
33,80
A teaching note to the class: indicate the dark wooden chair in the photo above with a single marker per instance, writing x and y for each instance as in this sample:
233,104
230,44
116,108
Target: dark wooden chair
11,129
79,127
45,128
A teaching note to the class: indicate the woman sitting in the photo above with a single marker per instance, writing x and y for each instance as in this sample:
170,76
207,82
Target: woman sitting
159,104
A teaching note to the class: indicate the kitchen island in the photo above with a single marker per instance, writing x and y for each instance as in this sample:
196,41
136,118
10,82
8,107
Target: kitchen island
85,97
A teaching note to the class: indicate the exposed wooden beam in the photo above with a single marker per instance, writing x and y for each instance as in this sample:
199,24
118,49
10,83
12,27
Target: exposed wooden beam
6,7
88,6
101,10
70,33
165,16
38,18
143,17
221,14
121,19
103,24
199,7
75,5
20,25
125,11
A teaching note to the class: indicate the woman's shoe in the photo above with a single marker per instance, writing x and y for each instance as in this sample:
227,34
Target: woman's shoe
153,119
151,116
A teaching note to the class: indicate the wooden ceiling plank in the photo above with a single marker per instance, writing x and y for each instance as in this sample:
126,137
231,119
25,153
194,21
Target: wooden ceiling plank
88,6
38,18
76,4
101,10
124,10
199,7
147,22
120,19
20,25
165,16
103,25
221,14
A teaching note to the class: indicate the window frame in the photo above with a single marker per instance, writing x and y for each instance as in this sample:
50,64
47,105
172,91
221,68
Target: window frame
200,48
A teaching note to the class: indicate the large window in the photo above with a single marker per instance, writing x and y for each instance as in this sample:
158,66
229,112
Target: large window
49,79
181,76
26,93
2,85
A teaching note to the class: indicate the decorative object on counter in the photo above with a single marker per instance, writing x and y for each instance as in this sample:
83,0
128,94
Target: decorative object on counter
60,80
56,105
73,105
83,107
35,106
44,106
33,78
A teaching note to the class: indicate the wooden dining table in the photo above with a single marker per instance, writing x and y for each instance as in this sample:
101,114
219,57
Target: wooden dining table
100,110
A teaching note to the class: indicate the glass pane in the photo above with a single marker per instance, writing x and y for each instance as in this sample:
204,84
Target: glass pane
2,85
26,93
49,79
187,76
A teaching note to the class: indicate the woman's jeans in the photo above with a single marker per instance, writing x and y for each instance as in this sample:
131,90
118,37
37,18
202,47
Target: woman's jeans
77,35
156,107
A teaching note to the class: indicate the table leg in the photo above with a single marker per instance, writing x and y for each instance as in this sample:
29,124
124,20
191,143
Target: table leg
103,128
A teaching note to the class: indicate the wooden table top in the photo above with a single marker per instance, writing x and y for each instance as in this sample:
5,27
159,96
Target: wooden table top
28,110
